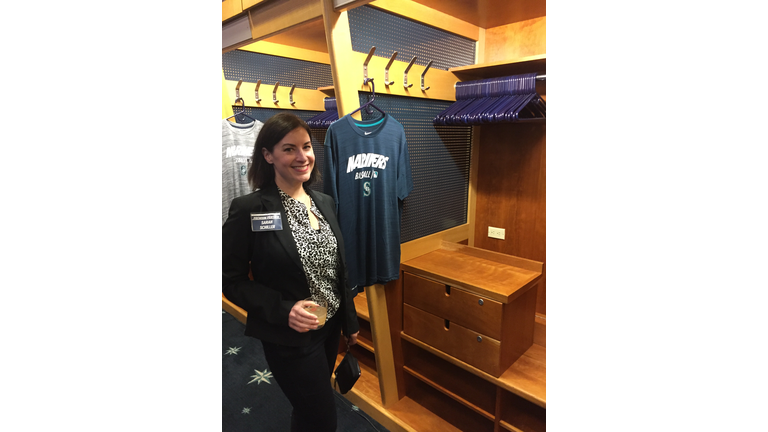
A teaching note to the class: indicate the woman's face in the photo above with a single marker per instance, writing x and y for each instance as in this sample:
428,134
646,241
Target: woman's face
293,159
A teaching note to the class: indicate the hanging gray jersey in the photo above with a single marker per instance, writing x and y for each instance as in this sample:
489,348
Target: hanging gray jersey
237,141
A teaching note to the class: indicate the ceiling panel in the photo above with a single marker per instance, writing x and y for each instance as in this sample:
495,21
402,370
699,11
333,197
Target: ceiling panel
310,35
489,13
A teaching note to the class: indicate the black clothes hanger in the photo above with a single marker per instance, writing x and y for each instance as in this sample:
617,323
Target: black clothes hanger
495,100
324,119
241,112
370,102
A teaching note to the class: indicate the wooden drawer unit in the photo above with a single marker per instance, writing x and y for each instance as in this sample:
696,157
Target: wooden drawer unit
476,306
454,304
479,350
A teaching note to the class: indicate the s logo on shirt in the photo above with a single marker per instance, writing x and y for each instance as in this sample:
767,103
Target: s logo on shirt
367,187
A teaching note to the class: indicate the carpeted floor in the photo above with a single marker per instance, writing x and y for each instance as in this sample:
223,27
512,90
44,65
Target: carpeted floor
252,400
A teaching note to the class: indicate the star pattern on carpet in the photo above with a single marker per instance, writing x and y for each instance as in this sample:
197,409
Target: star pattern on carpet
234,351
246,411
261,376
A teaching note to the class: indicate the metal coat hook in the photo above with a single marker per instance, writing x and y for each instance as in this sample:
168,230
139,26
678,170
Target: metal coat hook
237,89
405,74
387,82
365,65
290,95
258,83
422,76
274,92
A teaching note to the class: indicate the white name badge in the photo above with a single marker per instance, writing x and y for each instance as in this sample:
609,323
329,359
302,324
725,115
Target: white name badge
266,222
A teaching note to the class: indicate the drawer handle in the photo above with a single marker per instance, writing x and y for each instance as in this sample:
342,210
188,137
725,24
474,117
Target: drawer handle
479,338
480,302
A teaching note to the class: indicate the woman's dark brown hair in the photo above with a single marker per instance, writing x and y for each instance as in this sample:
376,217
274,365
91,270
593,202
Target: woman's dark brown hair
261,173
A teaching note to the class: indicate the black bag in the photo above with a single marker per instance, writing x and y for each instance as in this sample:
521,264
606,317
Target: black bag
347,373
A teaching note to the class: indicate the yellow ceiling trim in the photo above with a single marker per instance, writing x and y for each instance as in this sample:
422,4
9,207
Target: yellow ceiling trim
271,48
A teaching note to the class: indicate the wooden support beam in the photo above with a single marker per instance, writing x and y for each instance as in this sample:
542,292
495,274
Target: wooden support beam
346,81
382,343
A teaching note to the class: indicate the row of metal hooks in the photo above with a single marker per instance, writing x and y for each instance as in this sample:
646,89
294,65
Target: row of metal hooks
258,99
387,82
485,101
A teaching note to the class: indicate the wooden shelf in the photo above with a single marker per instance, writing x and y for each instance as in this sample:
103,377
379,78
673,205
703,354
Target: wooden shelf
403,416
368,345
508,426
448,393
525,378
493,275
536,63
418,418
361,305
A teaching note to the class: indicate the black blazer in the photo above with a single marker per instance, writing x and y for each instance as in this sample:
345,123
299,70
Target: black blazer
279,279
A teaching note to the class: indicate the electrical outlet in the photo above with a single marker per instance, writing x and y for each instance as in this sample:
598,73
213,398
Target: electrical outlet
497,233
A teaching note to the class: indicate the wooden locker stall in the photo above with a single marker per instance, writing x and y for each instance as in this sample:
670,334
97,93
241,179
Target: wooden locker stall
409,383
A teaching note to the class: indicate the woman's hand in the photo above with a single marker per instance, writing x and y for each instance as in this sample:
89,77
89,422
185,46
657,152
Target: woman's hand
301,320
352,339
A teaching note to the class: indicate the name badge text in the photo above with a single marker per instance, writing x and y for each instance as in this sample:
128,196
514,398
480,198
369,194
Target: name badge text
266,222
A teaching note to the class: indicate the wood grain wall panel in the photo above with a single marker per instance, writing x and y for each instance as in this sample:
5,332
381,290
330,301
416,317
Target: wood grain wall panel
520,39
540,228
511,193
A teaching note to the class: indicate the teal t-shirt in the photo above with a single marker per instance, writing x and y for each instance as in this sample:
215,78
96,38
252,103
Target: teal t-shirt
368,173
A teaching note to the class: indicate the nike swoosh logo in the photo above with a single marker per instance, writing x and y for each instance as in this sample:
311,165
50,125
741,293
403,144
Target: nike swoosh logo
367,133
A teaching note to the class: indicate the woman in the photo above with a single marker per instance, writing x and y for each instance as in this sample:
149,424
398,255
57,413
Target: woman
288,236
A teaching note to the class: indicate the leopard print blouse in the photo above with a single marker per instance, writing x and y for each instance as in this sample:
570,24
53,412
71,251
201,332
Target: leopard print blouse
318,251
